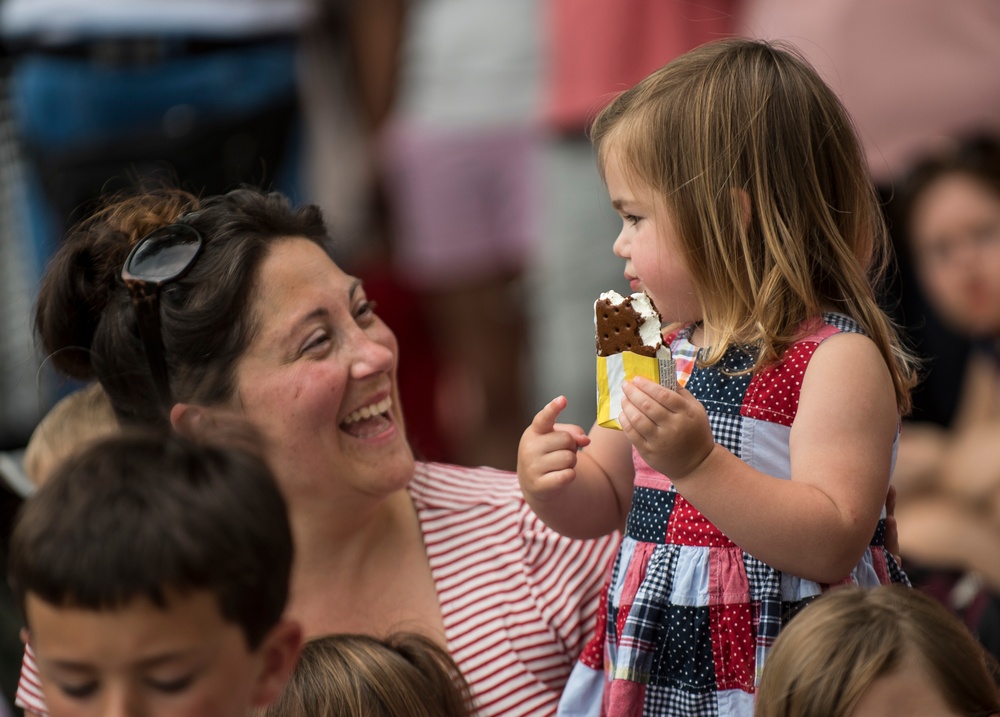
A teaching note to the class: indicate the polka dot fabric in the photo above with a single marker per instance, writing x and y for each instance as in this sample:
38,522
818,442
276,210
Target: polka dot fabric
690,617
773,394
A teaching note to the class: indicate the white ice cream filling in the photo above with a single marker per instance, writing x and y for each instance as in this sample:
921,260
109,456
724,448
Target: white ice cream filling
649,329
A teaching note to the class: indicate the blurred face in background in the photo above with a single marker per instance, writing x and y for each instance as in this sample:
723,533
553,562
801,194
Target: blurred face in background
955,238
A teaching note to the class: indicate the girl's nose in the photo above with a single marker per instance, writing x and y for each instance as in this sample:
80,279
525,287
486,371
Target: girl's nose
620,247
371,357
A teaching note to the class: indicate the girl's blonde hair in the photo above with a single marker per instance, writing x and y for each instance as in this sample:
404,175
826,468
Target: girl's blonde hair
405,675
760,169
830,654
76,421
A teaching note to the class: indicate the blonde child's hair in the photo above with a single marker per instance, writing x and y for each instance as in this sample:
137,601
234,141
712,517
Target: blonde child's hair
75,422
405,675
830,654
759,167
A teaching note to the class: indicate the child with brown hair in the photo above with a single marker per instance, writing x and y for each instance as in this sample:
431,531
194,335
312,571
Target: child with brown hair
750,220
405,675
886,651
152,574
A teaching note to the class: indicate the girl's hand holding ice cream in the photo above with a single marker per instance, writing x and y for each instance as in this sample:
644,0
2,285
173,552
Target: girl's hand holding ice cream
669,428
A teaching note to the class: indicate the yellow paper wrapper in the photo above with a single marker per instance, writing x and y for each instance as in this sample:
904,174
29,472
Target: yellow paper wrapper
613,371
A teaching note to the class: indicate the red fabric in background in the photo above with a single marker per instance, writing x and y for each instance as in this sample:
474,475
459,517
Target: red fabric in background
597,49
403,310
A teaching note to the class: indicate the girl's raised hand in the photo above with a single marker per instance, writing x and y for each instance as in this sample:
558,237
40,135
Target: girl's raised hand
669,429
546,456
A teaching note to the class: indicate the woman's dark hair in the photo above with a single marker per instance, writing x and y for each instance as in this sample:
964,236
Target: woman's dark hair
85,319
154,514
976,156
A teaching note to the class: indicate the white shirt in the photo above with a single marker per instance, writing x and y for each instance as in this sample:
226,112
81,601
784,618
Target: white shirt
470,63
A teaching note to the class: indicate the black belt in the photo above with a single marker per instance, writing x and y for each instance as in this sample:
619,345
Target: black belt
145,50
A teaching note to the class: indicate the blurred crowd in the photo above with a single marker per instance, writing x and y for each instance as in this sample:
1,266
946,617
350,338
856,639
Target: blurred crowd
446,142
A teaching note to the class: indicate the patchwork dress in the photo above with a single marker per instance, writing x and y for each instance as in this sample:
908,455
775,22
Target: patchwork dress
688,617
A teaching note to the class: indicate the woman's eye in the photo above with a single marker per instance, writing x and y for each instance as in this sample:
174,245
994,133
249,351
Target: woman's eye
365,310
170,686
315,342
631,219
78,691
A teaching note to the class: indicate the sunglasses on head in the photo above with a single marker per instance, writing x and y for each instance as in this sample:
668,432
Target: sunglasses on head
163,256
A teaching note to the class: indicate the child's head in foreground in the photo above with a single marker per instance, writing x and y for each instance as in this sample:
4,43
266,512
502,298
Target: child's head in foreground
874,653
152,573
405,675
747,167
72,424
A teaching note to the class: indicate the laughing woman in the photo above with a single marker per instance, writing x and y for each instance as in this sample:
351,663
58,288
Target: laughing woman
188,309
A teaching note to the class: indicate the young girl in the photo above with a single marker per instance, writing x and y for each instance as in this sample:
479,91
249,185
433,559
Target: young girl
749,218
887,651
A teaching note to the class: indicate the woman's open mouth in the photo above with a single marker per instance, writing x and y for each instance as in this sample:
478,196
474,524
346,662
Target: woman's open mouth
369,421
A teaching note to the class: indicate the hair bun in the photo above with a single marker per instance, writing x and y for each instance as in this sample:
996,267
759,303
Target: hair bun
79,283
82,284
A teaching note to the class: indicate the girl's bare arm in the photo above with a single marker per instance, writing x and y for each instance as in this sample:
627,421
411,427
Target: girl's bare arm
579,493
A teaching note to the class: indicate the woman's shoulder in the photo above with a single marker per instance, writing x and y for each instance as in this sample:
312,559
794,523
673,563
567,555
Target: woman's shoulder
444,485
484,508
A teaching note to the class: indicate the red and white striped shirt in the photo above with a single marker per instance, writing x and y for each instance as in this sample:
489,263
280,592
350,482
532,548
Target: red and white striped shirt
518,600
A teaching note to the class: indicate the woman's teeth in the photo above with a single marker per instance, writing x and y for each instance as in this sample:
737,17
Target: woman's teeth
366,412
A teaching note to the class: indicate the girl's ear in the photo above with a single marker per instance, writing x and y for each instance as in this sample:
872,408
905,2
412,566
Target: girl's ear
279,654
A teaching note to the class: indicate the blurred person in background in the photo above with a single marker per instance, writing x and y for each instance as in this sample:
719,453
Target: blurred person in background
109,92
459,155
948,479
593,49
